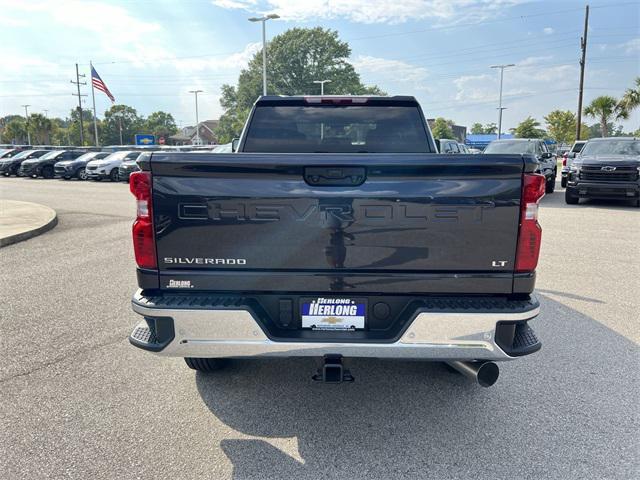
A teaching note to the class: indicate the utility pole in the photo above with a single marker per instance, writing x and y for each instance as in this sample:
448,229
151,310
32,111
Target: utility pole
500,107
119,115
264,19
26,116
46,113
196,92
78,83
322,82
583,46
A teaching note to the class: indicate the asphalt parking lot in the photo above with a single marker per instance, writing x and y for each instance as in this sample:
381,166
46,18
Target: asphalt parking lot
77,401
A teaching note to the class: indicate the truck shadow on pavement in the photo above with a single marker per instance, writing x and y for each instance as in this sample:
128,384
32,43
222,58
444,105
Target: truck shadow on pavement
561,413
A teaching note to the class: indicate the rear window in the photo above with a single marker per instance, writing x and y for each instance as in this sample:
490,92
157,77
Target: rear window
510,147
577,147
336,129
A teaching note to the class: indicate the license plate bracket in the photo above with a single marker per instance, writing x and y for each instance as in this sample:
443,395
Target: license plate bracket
333,313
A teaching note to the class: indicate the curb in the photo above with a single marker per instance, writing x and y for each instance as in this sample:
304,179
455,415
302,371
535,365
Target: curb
19,237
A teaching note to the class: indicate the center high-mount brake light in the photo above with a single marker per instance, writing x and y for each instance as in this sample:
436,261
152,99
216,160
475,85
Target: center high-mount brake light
144,245
331,100
530,233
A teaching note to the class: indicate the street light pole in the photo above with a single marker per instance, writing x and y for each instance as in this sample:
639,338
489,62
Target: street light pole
264,19
322,82
196,92
500,108
26,117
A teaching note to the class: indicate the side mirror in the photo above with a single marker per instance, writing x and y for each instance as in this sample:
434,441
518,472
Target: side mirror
234,144
547,155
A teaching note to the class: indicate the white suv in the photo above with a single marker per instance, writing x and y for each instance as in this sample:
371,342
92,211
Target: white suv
108,167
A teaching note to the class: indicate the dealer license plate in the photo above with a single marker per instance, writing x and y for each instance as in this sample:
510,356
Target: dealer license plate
333,313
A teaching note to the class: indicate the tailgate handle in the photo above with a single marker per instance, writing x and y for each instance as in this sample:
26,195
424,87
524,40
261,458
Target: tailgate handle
335,176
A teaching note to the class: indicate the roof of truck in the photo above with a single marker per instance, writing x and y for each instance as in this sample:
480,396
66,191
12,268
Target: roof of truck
298,98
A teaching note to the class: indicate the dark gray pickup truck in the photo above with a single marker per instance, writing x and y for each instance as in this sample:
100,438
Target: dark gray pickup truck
337,231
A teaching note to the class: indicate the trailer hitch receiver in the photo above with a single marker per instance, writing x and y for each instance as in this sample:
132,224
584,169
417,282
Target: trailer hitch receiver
332,371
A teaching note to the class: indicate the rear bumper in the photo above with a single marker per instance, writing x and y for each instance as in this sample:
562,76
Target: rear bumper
234,331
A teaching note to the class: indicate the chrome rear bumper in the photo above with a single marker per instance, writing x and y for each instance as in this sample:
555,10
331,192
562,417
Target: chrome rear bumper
236,333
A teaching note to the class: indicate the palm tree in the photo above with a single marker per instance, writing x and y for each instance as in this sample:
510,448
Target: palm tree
629,101
40,128
602,108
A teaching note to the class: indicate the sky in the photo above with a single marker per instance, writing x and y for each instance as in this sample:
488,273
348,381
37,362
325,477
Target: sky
151,53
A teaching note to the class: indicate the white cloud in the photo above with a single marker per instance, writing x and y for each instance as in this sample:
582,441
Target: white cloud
383,69
632,46
548,30
530,75
375,11
235,4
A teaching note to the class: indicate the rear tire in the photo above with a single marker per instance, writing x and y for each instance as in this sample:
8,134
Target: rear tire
551,184
81,174
47,171
563,183
570,197
113,175
205,364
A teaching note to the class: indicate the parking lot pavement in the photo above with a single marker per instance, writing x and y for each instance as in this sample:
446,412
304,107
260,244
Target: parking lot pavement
77,401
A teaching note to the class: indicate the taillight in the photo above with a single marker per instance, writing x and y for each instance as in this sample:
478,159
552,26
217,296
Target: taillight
530,233
144,245
564,160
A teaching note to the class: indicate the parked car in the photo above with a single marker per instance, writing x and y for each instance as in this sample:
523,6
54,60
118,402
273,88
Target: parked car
44,166
108,166
463,148
10,166
446,145
281,250
127,167
567,159
76,168
9,152
606,168
533,146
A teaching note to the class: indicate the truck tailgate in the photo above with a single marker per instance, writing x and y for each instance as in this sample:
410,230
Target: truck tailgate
370,223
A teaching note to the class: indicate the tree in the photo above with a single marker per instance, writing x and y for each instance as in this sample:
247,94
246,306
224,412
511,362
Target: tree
160,124
73,132
40,128
528,128
476,129
561,126
15,131
296,58
489,128
120,116
442,128
603,109
629,101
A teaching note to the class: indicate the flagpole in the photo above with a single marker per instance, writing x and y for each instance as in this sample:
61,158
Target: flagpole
95,115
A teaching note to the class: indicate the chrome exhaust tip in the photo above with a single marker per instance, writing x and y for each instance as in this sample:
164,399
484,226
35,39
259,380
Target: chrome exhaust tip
485,373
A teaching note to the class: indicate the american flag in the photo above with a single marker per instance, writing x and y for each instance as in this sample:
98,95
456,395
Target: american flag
97,82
